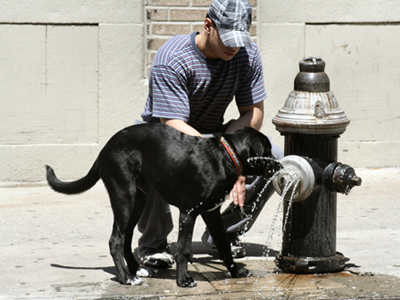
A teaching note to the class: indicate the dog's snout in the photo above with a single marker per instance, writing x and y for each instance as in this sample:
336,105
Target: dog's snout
273,166
277,166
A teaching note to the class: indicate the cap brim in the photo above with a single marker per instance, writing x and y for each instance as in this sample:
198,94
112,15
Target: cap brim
233,38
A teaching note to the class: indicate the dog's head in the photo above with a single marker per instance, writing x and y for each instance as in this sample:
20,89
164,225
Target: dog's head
254,151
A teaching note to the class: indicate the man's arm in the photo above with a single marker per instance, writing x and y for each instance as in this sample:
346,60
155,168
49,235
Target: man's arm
181,126
250,116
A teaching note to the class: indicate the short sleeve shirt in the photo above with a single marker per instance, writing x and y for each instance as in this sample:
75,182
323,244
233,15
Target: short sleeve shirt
185,85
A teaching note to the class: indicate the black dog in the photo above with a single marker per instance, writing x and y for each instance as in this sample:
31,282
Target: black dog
192,173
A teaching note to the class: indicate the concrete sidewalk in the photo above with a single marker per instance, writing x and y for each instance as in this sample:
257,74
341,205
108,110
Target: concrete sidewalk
56,247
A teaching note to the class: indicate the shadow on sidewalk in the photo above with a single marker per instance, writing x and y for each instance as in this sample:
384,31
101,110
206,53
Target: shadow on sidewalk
201,254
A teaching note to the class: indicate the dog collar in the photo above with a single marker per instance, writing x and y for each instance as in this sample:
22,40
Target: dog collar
233,155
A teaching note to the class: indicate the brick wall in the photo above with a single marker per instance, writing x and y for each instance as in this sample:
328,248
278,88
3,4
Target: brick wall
166,18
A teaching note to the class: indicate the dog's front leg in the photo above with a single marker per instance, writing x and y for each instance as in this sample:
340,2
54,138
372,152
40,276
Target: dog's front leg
184,250
216,228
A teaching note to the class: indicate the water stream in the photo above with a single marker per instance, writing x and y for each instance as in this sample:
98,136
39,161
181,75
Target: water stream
294,183
267,248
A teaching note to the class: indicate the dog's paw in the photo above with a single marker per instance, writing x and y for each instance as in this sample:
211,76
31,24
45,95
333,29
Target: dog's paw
188,282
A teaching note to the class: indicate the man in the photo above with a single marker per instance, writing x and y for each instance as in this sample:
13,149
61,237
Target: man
192,81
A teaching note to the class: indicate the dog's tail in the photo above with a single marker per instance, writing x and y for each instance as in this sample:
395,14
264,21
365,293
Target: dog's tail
73,187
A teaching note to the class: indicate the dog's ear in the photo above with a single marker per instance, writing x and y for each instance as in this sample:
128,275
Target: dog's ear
256,147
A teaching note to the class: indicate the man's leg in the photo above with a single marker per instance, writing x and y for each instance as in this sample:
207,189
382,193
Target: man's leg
155,224
238,221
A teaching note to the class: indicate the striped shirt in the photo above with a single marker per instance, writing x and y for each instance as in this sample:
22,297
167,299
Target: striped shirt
185,85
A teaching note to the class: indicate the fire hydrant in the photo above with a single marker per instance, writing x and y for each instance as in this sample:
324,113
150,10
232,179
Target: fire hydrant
311,122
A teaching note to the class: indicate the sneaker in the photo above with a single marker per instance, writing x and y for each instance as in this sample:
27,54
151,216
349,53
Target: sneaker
162,260
146,272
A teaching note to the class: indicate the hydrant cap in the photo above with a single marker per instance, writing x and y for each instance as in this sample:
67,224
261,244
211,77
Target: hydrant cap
311,108
312,65
312,76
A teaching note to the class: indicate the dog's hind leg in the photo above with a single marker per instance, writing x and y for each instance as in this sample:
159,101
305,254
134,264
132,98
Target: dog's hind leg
126,211
116,243
138,207
184,250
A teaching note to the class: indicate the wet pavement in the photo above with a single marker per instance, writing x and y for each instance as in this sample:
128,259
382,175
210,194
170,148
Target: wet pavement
56,247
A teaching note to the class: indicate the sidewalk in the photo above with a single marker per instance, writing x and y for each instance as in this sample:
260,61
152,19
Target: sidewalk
56,247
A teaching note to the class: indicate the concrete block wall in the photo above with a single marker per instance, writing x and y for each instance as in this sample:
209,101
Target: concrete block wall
359,42
72,73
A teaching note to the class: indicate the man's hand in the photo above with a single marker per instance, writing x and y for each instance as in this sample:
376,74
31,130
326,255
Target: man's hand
239,191
251,116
